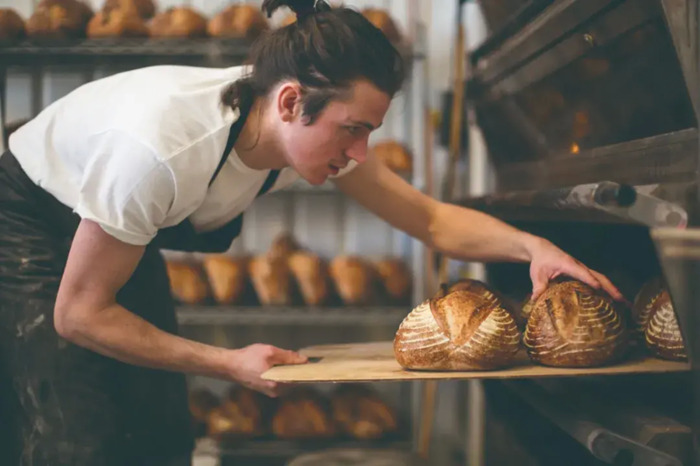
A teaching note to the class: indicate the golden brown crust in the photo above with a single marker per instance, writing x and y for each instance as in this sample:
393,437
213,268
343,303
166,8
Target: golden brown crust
353,278
227,277
302,414
201,403
112,22
178,22
662,334
145,9
238,21
59,19
187,282
642,305
271,279
311,275
394,155
11,24
571,325
396,278
384,22
461,330
240,414
361,413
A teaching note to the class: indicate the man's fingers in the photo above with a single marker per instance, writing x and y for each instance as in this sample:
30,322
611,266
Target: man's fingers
608,286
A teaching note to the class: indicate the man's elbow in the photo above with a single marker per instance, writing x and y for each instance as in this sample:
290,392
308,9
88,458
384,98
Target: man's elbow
68,321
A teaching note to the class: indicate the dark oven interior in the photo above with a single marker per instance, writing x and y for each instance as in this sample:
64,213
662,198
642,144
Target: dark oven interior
580,104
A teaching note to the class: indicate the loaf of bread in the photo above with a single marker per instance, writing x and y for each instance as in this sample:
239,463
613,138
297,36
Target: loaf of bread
662,334
283,246
302,414
145,9
227,276
384,22
238,21
311,275
396,279
353,278
187,282
360,413
479,287
572,325
462,330
116,22
272,280
641,307
59,19
394,155
178,22
11,24
239,415
201,402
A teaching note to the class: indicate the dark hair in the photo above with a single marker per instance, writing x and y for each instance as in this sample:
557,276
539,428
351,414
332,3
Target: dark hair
326,49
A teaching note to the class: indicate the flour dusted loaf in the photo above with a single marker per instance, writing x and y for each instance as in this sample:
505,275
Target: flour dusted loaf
662,334
178,22
573,325
458,330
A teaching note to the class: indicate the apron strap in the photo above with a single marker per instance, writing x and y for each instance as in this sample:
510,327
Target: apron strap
269,182
233,134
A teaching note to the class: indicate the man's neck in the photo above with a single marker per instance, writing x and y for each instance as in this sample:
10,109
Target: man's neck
257,145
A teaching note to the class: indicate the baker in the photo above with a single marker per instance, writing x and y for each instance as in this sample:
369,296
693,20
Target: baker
170,157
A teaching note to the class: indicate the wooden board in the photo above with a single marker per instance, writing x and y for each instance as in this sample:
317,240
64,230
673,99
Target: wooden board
370,362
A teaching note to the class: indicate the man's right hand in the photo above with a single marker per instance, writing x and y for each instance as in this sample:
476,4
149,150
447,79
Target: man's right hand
250,362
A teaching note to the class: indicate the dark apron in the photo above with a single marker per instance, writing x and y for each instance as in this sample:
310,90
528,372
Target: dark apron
61,404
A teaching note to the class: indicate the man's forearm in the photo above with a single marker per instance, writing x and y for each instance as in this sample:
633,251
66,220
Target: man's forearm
121,334
470,235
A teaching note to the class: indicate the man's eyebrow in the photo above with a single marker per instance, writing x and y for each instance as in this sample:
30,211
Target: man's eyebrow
366,124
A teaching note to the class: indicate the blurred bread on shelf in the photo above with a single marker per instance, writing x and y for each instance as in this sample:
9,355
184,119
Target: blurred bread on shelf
303,413
396,279
240,414
145,9
227,276
354,278
187,282
11,24
394,155
272,279
116,22
238,21
662,334
382,20
59,19
178,22
360,412
311,275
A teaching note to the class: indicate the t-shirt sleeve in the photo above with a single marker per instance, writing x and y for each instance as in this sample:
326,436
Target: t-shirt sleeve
125,188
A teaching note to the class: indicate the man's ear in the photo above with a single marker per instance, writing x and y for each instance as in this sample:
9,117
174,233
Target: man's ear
289,99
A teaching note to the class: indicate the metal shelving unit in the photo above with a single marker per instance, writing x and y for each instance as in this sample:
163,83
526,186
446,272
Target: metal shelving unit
283,315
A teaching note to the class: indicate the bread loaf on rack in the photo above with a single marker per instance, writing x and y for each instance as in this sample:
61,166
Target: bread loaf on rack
238,21
384,22
116,22
572,325
272,280
178,22
360,412
353,278
641,307
394,155
396,279
303,414
145,9
201,402
462,330
187,282
311,275
228,277
662,334
239,415
59,19
11,24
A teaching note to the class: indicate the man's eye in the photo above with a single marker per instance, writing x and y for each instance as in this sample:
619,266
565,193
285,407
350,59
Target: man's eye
353,130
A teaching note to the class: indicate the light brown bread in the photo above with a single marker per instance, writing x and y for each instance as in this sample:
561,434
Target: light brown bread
11,24
302,414
145,9
572,325
395,277
227,277
311,275
361,413
353,278
394,155
238,21
240,414
641,307
178,22
272,280
460,331
662,334
59,19
115,22
187,282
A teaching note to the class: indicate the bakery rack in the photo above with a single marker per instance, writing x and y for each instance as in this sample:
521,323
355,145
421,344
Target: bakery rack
589,113
92,58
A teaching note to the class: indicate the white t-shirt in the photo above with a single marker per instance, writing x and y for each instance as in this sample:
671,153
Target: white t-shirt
135,152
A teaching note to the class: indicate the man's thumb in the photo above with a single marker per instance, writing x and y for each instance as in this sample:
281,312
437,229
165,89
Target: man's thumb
287,357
